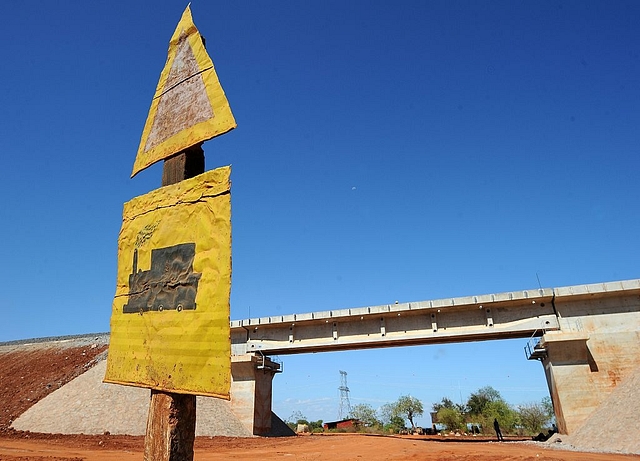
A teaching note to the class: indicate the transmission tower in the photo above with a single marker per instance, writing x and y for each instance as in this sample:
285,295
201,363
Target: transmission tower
345,405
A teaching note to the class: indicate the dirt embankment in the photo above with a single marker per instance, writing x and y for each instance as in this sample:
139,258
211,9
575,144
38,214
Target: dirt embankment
31,371
345,447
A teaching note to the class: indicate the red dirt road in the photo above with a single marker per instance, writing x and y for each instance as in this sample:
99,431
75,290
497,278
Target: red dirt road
344,447
28,373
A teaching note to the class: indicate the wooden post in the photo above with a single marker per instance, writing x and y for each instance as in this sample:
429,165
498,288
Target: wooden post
184,165
171,427
171,424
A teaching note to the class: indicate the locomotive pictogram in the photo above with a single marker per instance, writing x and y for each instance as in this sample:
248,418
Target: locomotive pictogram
170,283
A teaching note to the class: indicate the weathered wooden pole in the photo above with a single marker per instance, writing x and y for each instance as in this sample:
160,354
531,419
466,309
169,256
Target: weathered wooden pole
184,165
171,427
171,424
188,108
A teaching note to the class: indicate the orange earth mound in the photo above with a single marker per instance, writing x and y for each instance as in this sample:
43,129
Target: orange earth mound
29,373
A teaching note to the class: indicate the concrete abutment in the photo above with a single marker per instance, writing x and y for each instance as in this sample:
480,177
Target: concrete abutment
596,348
251,391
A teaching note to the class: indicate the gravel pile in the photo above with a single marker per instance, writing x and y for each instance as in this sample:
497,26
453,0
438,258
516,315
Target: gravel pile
613,426
86,405
88,339
30,371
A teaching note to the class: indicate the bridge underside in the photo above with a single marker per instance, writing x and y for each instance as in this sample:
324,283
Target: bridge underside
587,337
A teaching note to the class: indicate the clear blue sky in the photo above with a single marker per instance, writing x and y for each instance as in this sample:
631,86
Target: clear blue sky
385,150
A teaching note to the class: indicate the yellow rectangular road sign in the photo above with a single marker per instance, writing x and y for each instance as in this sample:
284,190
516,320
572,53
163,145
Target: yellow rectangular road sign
170,315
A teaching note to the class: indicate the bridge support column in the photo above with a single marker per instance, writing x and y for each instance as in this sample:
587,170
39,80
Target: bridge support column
583,367
567,369
251,379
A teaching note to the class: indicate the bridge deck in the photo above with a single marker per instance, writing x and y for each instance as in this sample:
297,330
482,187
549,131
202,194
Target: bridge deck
518,314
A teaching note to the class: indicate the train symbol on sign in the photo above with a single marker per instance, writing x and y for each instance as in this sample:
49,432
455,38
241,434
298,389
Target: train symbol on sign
170,283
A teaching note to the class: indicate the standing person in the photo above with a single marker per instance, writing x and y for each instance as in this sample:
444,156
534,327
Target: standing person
496,426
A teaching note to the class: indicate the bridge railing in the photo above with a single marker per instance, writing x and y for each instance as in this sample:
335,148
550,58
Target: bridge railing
532,349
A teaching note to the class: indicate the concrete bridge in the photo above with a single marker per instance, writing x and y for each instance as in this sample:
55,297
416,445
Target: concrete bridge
587,338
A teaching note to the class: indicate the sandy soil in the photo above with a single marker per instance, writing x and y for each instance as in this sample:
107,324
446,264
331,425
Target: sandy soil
30,372
352,447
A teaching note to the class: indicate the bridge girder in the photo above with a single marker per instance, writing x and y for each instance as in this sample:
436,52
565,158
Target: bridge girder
518,314
495,316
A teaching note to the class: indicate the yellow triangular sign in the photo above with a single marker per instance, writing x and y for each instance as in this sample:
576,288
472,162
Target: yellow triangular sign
189,105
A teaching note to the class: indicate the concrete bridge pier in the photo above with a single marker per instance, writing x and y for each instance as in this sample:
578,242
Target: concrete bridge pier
568,366
596,348
251,390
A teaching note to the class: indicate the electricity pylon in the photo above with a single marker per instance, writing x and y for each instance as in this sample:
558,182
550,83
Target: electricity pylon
345,405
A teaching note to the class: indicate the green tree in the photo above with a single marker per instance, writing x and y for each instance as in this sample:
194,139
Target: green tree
503,412
535,416
448,403
548,408
315,426
387,412
532,417
451,417
409,407
486,404
393,415
396,424
365,413
478,400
